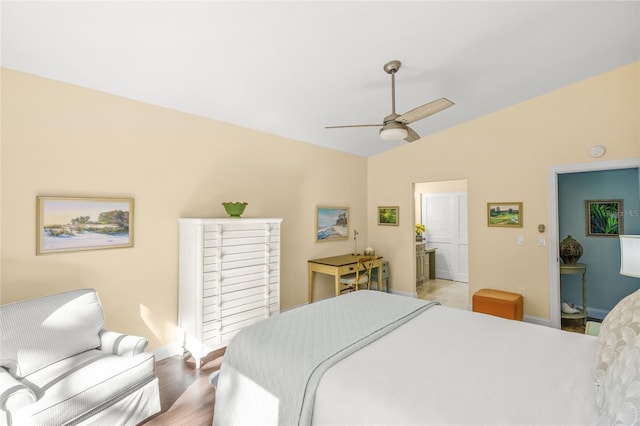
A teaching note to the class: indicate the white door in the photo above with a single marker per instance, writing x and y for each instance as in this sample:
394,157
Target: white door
445,216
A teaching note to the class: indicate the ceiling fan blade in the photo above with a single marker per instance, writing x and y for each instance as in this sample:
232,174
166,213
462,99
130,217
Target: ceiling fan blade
411,135
353,125
424,111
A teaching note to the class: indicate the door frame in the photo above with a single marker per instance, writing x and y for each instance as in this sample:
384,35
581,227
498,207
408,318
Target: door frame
553,227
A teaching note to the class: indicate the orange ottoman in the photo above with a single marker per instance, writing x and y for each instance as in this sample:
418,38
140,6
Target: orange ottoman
499,303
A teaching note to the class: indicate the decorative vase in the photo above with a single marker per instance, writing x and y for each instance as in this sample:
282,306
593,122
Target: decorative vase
234,209
419,238
570,250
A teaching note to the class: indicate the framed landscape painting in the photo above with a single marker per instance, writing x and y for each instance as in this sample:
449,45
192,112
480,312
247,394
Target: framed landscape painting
389,215
505,214
604,218
332,223
73,224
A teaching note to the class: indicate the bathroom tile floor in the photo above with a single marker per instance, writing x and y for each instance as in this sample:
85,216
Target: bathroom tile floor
449,293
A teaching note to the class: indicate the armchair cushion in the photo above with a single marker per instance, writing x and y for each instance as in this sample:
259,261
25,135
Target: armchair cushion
33,330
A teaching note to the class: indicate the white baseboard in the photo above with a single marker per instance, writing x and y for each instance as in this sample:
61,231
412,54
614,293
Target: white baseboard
404,293
166,351
537,320
528,318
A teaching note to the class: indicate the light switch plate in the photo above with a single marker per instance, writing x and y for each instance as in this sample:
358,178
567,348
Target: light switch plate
520,240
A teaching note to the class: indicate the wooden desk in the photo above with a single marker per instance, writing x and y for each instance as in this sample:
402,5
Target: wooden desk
338,266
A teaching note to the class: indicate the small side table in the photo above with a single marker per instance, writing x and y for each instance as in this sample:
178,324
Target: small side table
384,271
578,268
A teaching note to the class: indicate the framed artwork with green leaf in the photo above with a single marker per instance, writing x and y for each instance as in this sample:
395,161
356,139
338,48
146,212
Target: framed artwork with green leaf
604,218
389,215
508,215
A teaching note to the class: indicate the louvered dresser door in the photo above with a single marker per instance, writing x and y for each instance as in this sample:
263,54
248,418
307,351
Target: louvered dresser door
229,278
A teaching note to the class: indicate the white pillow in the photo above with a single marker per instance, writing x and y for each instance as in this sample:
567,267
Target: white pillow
619,327
619,394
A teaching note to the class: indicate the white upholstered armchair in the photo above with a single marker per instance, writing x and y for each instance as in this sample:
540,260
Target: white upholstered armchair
58,366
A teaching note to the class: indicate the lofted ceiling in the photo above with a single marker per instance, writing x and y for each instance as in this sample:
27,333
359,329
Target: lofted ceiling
291,68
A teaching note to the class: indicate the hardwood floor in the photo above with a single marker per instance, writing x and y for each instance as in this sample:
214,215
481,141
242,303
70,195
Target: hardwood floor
186,396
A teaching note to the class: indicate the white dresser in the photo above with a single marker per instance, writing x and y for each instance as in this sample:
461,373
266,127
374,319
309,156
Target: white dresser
229,278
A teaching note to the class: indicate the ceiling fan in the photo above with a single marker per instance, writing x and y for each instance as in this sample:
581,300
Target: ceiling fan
394,126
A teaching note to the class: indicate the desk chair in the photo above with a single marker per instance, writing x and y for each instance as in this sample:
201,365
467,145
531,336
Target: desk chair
362,276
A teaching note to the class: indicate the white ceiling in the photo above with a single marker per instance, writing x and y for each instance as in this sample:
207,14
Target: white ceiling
291,68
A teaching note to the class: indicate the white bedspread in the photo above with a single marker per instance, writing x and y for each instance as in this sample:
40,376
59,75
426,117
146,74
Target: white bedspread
454,367
271,369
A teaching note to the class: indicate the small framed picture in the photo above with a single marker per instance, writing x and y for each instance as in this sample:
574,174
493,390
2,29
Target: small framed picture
507,214
74,224
604,218
332,223
389,215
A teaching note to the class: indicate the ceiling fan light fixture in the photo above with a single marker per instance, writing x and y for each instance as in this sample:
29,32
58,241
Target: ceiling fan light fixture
395,126
393,133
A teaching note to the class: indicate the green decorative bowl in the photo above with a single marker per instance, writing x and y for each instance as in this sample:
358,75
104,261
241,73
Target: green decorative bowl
234,209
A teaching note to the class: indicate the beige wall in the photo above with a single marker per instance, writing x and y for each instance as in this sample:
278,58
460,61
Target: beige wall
441,186
504,157
62,140
59,139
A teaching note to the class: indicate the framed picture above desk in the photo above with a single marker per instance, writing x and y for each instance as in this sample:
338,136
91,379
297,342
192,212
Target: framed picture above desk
338,266
332,223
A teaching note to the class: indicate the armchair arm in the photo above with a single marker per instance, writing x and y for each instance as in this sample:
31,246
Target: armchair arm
121,344
13,393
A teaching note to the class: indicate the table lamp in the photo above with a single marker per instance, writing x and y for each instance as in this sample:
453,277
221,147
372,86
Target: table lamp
355,242
630,255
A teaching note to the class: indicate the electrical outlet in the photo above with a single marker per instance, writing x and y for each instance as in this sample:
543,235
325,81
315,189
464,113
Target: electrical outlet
521,290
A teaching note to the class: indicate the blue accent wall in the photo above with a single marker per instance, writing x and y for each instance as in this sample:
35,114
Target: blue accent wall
605,285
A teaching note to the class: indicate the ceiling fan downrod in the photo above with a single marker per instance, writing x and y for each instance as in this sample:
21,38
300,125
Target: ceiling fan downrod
392,68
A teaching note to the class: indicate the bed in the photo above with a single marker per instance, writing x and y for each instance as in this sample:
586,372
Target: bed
374,358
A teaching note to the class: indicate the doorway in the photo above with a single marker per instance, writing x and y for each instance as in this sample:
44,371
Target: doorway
442,208
553,237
